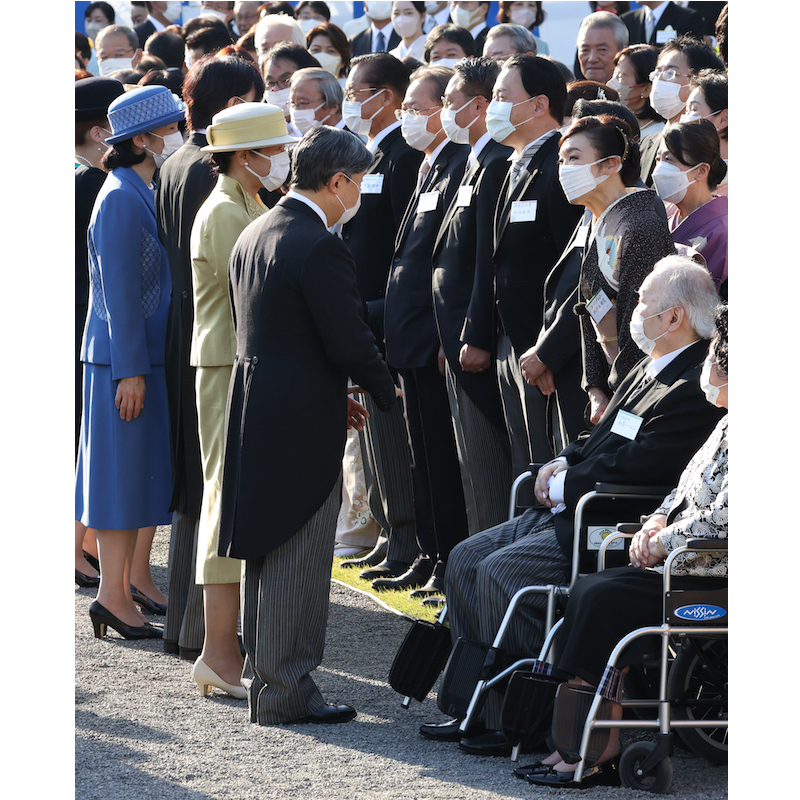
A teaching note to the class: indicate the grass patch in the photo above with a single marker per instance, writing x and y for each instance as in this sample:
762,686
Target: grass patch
400,601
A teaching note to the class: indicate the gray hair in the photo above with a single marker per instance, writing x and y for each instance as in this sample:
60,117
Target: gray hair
271,20
605,19
522,40
680,281
323,152
327,83
437,75
110,30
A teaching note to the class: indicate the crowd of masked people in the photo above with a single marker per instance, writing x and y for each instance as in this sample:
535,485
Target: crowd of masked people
336,287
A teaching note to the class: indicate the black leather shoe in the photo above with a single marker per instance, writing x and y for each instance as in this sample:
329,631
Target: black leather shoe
434,602
412,579
92,560
102,619
86,581
330,714
491,743
386,569
435,585
532,769
605,774
146,604
188,653
170,647
372,559
449,731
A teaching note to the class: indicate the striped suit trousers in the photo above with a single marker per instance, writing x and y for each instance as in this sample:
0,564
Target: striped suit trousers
486,570
285,600
185,622
484,455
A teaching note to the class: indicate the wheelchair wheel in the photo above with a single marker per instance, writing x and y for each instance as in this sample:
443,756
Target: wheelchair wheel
698,690
657,780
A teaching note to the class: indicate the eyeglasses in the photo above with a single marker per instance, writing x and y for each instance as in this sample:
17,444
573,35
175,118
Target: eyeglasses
413,112
449,104
350,94
304,103
668,74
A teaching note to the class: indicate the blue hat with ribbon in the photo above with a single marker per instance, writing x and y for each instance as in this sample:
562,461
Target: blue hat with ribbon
142,110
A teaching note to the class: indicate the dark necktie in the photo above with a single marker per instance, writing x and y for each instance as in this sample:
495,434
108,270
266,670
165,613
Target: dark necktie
381,42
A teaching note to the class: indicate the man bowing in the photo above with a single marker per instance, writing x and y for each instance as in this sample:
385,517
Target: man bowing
300,335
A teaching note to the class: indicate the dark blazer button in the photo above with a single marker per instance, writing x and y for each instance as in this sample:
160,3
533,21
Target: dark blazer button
254,360
184,294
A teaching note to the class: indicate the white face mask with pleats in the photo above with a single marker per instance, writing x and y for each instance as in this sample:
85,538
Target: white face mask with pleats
351,113
279,165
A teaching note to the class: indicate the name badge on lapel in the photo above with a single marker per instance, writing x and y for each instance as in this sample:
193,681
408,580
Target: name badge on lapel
428,202
523,211
372,184
662,37
464,197
599,306
626,424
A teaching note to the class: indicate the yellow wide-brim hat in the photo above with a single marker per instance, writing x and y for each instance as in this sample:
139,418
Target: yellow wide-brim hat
247,126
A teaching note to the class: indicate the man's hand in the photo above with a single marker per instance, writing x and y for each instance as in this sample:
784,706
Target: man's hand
540,488
598,401
356,415
643,551
130,397
474,359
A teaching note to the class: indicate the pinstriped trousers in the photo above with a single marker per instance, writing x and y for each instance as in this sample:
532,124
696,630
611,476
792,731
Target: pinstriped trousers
285,599
484,455
185,622
486,570
388,463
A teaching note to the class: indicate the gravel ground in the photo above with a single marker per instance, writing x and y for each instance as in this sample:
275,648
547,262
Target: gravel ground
143,731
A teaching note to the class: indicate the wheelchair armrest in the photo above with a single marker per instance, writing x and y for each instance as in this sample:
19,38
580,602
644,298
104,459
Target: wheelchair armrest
632,491
707,544
629,528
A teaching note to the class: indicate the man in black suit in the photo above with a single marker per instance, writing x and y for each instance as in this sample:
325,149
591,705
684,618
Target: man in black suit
472,16
184,182
532,225
380,36
463,297
658,22
376,85
154,21
296,314
412,340
655,422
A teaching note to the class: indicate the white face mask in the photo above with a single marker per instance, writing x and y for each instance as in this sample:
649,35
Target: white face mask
92,29
307,24
445,62
693,117
406,26
349,213
279,98
109,65
498,119
209,12
578,180
462,17
172,142
304,119
330,62
622,91
453,131
671,181
278,170
415,131
523,16
432,7
172,12
665,98
378,9
709,390
351,113
642,340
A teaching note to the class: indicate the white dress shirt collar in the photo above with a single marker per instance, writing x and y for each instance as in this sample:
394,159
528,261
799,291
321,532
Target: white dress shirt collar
310,203
478,148
657,364
386,30
372,144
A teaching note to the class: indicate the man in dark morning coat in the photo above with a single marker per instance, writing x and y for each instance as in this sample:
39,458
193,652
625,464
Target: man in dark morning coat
378,82
300,334
184,182
412,340
533,223
669,419
673,21
464,299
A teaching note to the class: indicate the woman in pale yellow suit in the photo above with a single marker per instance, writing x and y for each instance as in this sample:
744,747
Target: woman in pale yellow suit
248,146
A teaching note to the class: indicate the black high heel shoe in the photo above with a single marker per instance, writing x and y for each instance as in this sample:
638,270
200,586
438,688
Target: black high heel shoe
102,619
92,560
147,605
87,581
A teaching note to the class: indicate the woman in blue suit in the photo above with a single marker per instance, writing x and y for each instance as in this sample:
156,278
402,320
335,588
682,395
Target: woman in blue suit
123,478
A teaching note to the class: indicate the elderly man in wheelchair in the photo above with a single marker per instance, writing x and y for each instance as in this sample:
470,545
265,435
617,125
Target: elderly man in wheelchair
654,423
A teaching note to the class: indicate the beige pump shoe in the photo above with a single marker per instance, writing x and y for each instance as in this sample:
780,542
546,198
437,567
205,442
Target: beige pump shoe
205,677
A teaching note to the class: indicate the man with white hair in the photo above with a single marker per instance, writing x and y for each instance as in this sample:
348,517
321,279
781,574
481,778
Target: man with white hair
315,98
653,425
507,40
274,28
601,36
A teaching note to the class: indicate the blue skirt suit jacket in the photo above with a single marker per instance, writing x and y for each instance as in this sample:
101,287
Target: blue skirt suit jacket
123,476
